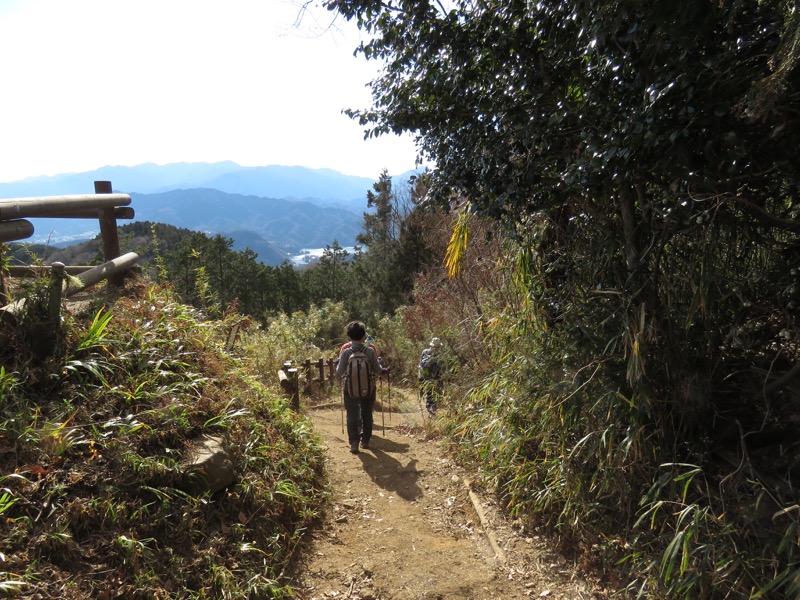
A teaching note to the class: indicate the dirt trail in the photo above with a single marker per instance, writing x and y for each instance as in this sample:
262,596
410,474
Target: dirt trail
404,526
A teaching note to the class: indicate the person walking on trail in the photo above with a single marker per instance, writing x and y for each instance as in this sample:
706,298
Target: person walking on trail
357,367
430,371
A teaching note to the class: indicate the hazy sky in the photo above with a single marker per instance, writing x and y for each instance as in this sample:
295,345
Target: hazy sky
89,83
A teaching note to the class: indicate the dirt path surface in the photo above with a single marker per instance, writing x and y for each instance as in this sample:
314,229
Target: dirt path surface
404,525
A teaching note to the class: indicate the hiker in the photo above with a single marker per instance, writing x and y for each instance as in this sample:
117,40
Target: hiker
430,371
357,367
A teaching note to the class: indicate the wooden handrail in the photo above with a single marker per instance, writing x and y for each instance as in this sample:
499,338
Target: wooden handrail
108,270
44,206
120,212
42,270
104,205
15,229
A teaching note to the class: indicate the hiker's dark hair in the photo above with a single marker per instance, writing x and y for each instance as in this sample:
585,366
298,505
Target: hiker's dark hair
356,330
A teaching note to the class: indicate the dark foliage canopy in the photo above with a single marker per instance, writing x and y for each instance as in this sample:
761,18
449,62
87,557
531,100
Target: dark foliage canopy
521,104
640,148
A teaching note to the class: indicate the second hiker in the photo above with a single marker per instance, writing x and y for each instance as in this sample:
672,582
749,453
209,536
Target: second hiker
430,386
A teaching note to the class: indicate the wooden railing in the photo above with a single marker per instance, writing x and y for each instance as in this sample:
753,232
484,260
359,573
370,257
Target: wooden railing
103,205
320,366
314,371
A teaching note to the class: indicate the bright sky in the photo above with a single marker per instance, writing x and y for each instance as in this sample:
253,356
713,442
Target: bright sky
89,83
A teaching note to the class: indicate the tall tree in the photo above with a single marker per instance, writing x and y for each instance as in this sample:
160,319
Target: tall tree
379,237
329,279
289,289
393,249
244,271
413,252
218,266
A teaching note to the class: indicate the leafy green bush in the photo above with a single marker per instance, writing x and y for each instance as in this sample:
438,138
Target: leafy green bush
311,334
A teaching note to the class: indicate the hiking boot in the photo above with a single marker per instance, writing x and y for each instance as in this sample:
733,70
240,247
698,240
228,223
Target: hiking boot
354,447
365,445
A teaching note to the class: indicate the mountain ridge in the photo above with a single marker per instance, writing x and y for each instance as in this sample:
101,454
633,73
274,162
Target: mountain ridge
289,225
285,208
275,181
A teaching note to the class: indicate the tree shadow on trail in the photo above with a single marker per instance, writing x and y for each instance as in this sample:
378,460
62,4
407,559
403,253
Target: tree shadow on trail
389,473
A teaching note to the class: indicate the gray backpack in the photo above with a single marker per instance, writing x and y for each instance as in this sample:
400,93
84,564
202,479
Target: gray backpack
358,380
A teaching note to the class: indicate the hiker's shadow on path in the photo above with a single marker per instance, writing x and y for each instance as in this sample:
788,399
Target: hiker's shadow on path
388,472
383,444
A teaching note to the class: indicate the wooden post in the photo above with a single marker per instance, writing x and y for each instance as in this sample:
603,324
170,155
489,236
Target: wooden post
283,379
321,369
108,230
331,371
57,276
232,337
295,379
5,298
290,383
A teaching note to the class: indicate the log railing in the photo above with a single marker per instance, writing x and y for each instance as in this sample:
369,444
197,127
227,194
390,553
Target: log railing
321,371
103,205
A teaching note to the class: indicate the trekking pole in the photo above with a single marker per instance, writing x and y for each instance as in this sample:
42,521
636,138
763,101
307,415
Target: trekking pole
383,418
389,384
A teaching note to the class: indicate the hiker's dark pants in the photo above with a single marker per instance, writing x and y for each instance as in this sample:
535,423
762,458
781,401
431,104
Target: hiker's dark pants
429,388
359,412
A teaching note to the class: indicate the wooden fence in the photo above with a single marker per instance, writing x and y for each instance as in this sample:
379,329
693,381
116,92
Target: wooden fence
103,205
321,371
313,371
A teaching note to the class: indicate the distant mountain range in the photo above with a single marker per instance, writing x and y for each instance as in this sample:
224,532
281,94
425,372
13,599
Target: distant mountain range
324,186
275,208
286,224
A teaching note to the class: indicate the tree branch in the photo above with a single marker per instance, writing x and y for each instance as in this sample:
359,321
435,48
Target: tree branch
767,218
